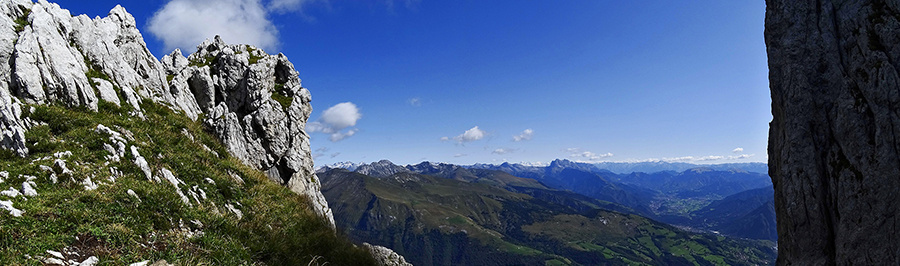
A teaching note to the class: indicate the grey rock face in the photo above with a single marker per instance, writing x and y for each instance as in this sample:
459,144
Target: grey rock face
833,140
385,256
237,87
252,101
12,127
383,168
55,57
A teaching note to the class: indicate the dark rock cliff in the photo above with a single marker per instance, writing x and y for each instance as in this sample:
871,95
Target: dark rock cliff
835,133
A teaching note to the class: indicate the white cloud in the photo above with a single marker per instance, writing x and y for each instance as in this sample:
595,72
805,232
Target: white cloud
679,159
341,115
710,158
317,155
578,153
502,151
284,6
459,155
470,135
738,150
338,136
690,159
322,149
526,135
335,119
186,23
415,102
633,160
739,157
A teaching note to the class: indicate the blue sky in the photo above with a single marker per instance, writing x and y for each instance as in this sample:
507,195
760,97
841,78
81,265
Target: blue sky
591,80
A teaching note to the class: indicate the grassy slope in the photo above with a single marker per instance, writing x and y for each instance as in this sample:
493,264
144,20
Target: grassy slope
527,227
277,228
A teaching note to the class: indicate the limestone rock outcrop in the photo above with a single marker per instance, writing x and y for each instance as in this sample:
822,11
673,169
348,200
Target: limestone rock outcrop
385,256
252,101
55,57
834,72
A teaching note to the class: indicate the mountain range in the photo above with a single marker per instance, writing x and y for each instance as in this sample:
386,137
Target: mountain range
615,167
458,216
404,200
676,198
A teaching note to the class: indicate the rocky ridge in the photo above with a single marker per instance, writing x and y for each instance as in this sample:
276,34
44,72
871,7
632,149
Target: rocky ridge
252,101
834,70
383,168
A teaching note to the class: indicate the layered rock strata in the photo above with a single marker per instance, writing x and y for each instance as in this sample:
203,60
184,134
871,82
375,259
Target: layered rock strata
252,101
835,133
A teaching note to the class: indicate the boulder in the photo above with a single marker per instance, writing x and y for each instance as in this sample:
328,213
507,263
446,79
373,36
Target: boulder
385,256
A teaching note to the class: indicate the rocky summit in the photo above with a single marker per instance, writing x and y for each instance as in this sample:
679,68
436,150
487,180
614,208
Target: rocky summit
834,71
252,101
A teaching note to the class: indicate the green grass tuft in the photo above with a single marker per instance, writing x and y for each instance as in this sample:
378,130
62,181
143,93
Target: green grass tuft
278,227
253,57
22,21
207,60
279,96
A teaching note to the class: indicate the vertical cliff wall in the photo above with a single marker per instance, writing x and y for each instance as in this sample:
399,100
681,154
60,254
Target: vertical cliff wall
835,133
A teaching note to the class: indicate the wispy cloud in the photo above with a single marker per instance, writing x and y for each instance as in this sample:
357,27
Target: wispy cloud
679,159
284,6
689,159
738,150
739,157
335,154
339,136
186,23
322,149
578,153
710,158
459,155
502,151
414,102
470,135
335,119
525,135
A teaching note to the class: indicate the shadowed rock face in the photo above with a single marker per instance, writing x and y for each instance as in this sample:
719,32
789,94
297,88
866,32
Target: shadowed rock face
833,140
